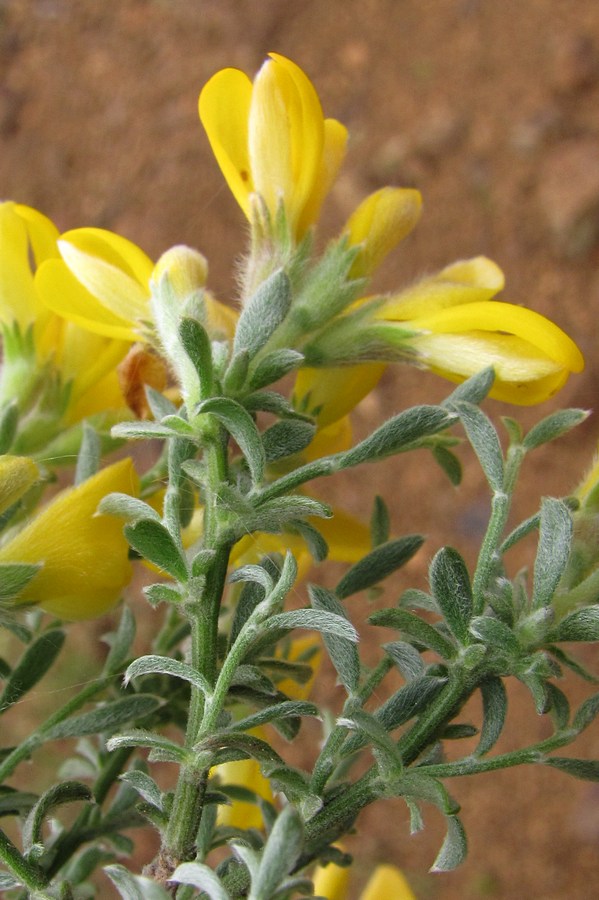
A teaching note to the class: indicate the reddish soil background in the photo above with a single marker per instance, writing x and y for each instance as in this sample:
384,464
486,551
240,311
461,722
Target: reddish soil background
490,108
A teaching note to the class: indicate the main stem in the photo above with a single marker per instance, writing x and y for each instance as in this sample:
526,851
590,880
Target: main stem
203,607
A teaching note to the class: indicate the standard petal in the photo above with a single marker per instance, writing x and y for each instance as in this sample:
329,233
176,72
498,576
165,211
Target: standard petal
387,882
379,223
224,107
333,154
467,281
328,394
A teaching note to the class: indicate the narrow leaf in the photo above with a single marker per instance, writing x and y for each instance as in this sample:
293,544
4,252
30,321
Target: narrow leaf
494,712
263,313
32,666
417,629
580,625
242,428
586,769
136,887
202,877
454,848
406,658
554,426
378,565
398,434
155,543
280,854
314,619
452,590
555,537
106,718
163,665
484,440
14,577
343,652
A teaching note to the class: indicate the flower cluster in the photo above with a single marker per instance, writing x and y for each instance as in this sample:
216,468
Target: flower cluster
102,344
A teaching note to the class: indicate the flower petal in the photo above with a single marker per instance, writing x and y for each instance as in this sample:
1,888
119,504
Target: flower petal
224,107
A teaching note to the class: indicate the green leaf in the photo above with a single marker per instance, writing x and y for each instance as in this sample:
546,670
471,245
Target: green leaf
145,786
484,440
120,643
129,508
242,428
560,707
343,652
454,848
273,366
160,746
283,710
137,887
242,746
282,850
316,544
57,795
202,877
313,619
378,564
494,633
585,769
474,390
554,426
286,438
586,713
398,434
155,543
9,420
196,344
417,629
263,313
377,736
88,458
141,431
379,522
106,718
449,462
451,587
421,786
580,625
33,665
14,577
237,372
160,406
148,665
494,712
406,658
555,537
409,700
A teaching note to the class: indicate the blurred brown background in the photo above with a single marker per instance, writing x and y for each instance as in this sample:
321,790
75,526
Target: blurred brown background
490,108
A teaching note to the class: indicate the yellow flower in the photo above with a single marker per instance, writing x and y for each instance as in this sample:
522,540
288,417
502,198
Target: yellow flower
84,555
17,475
447,323
102,283
379,223
386,883
270,138
457,330
84,363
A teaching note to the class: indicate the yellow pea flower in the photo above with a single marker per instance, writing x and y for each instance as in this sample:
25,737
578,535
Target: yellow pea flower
270,138
457,330
84,555
379,223
17,475
83,363
102,283
386,883
450,324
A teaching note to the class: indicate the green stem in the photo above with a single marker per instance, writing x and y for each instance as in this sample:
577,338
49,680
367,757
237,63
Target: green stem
203,611
24,871
490,557
326,762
